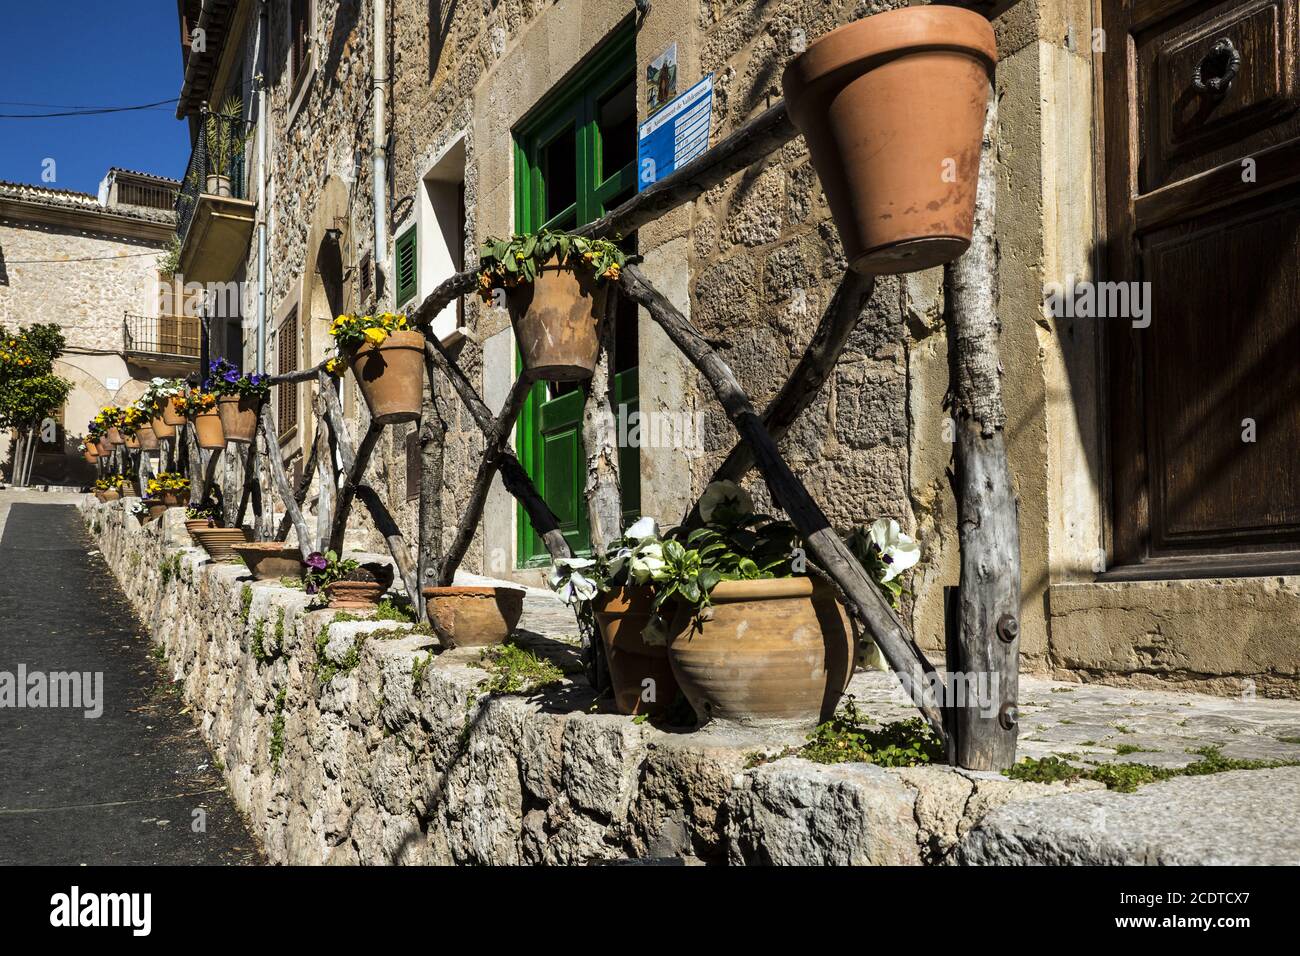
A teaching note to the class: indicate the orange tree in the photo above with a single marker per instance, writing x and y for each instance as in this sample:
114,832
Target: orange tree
29,389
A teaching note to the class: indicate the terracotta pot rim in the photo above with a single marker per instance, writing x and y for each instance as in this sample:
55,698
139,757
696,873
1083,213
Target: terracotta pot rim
395,340
856,47
266,547
768,589
469,590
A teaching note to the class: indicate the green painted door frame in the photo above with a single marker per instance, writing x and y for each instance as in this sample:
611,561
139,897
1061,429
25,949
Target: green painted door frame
549,431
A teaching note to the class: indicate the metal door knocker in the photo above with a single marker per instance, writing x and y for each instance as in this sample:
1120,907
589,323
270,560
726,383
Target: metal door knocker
1218,68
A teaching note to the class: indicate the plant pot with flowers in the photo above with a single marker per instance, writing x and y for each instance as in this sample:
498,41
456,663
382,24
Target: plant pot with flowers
90,450
607,590
157,402
106,488
201,517
131,420
555,286
387,359
127,485
892,108
106,423
199,406
239,397
170,488
148,440
138,509
347,583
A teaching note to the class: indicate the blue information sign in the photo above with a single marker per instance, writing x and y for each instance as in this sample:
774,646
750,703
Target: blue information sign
675,135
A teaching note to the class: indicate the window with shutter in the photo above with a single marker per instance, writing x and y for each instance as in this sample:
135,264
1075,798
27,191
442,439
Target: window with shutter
299,28
407,267
287,361
414,463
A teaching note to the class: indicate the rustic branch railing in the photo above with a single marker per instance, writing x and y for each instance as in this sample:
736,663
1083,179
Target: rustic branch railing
340,468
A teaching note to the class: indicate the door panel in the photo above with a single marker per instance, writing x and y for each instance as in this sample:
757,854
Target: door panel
1199,98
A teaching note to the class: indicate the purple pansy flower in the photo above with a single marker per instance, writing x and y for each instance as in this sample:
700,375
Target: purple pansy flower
317,561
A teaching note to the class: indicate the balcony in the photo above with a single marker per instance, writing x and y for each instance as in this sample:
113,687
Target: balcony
162,343
214,216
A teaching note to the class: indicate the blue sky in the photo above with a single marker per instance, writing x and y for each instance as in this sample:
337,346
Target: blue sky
81,53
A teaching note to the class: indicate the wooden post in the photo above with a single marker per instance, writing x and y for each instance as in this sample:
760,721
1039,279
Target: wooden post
325,476
433,447
292,511
986,627
863,597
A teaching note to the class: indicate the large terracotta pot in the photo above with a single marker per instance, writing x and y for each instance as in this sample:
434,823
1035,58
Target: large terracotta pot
114,436
198,524
778,651
270,560
621,616
92,453
162,428
148,440
110,495
156,507
557,320
238,415
219,542
391,376
208,431
354,595
474,616
171,415
133,442
892,108
171,499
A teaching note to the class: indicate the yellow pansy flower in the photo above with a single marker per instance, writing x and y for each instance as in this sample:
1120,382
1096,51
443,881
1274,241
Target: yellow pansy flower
376,336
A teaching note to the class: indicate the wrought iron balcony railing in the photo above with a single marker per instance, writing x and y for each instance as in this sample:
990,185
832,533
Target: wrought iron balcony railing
162,337
217,166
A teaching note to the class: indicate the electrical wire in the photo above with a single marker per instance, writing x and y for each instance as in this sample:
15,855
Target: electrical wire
32,262
88,111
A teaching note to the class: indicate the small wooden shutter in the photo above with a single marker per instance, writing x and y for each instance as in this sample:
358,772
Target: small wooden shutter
299,25
287,361
414,463
407,267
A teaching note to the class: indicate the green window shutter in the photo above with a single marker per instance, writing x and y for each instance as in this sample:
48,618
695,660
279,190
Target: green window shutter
408,267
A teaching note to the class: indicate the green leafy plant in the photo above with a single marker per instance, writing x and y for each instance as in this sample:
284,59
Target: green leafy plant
159,393
224,378
516,670
505,263
322,569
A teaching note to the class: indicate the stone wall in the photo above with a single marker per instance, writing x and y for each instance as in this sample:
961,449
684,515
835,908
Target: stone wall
356,742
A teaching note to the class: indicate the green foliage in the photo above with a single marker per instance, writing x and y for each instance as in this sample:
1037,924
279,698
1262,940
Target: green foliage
1127,777
848,738
1043,770
420,667
170,260
258,641
277,731
245,603
1125,749
389,610
504,263
515,670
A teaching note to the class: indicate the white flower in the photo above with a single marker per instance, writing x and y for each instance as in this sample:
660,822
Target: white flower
870,658
567,580
898,551
643,530
726,494
648,562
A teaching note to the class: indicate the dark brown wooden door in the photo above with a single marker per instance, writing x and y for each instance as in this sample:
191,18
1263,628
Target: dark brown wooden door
1202,156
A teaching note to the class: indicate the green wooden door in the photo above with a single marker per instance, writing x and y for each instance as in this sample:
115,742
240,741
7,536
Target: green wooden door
575,160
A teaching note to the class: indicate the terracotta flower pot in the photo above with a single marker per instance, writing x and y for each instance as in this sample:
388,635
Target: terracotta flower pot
207,430
556,319
114,436
171,415
92,454
170,499
892,108
238,415
133,442
109,495
621,616
391,376
270,560
356,595
198,524
219,542
474,616
148,440
162,428
771,651
156,508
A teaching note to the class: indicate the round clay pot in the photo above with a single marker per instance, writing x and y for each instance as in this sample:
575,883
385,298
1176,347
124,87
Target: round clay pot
357,595
156,507
162,428
148,440
391,376
114,436
238,415
132,442
622,615
892,108
474,616
92,454
172,415
219,542
270,560
109,495
556,318
170,499
198,524
207,430
776,651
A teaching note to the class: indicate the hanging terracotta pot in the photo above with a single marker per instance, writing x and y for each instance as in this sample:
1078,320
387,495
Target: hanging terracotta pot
148,440
238,415
642,678
162,428
771,651
171,415
391,376
170,499
198,524
91,453
474,616
207,430
114,436
133,441
557,319
892,108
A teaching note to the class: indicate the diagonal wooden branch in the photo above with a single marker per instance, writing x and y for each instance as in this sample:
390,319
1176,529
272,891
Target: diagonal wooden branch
352,479
863,597
304,482
432,437
513,476
326,479
292,512
599,438
248,492
494,442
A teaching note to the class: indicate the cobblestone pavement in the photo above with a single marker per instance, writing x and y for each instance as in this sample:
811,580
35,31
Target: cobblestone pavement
134,784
